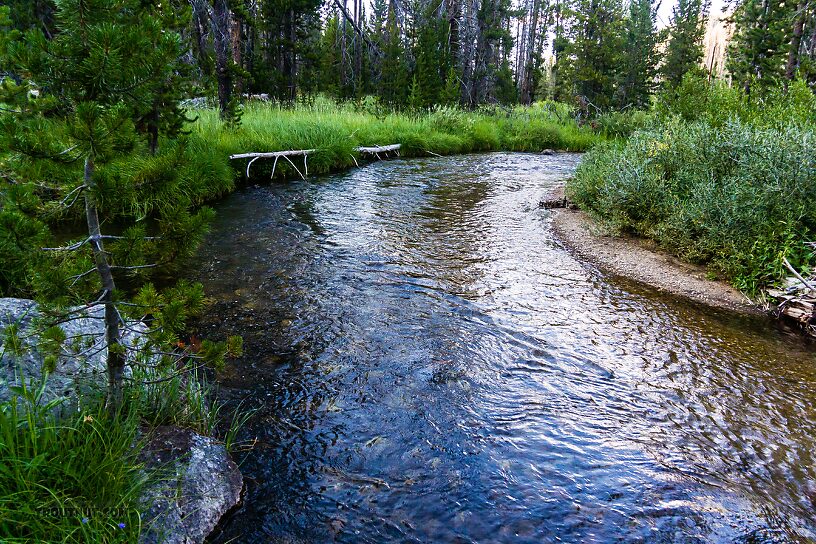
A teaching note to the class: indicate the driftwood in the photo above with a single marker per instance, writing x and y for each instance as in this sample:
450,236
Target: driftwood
378,149
374,150
277,155
797,303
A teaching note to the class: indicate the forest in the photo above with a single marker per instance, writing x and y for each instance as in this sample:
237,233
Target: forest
610,53
118,119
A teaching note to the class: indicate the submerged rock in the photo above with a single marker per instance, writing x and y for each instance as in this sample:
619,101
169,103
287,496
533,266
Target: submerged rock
198,483
81,365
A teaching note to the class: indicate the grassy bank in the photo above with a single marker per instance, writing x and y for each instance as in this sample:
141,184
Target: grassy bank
334,130
716,177
75,474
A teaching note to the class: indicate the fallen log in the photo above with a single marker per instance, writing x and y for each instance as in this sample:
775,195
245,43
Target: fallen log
378,149
797,301
277,155
371,150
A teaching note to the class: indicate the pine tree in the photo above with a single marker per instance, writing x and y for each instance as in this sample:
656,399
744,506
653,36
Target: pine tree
433,58
685,47
639,64
492,38
82,139
592,60
451,93
759,50
415,98
394,77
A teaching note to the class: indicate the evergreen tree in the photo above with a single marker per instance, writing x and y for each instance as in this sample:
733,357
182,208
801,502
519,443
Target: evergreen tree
394,77
591,61
506,91
758,51
433,59
97,79
328,77
493,37
639,64
415,96
685,47
451,93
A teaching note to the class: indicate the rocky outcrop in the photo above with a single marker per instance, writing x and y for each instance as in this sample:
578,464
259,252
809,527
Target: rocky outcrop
197,484
80,366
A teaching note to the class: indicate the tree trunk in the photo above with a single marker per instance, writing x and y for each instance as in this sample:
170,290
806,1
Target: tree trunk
113,334
796,41
223,54
527,68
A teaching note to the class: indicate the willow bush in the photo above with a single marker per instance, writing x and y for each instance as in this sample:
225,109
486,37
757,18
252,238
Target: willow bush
739,196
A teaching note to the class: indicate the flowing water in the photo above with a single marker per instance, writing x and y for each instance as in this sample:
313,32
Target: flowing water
430,365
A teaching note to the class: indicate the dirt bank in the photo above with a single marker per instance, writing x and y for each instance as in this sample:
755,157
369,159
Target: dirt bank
640,260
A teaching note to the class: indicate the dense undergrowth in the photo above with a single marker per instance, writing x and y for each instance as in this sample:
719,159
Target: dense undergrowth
714,176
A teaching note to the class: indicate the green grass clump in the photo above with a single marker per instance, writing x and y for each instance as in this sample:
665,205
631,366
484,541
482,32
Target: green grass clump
73,474
74,479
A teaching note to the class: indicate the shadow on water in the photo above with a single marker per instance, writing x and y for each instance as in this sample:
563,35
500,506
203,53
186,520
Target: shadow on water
430,365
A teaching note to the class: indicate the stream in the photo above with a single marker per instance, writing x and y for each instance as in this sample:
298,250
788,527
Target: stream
428,364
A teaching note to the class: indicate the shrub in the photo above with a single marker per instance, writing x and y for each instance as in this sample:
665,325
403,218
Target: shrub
737,196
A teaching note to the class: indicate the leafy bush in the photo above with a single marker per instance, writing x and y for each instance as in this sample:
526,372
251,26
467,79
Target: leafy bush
737,196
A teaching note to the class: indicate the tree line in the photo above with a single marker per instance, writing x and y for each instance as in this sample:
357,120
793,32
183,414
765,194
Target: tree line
606,54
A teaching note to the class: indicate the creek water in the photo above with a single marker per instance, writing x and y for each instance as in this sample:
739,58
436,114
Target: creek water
428,364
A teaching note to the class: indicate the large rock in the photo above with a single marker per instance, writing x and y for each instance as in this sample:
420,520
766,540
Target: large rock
198,483
80,368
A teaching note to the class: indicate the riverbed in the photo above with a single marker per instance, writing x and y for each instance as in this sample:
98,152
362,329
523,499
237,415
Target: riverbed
429,364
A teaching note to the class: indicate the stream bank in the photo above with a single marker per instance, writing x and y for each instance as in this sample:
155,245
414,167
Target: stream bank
643,261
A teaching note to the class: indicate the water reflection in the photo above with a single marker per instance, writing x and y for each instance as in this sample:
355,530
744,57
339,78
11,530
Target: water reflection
431,366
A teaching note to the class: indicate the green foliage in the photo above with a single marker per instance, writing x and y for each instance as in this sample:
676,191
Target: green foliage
335,130
592,49
685,46
451,93
758,51
732,183
637,78
717,103
74,480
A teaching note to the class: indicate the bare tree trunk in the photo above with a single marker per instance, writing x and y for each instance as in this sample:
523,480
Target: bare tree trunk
343,45
527,69
223,54
454,13
201,22
289,54
113,334
796,41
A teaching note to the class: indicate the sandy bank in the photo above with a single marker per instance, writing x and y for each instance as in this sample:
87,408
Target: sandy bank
640,260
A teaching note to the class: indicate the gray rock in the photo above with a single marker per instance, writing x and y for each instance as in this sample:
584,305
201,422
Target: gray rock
80,368
198,483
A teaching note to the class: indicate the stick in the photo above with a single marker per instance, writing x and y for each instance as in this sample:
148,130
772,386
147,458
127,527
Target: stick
795,273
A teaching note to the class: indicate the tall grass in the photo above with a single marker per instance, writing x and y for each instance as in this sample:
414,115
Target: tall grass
334,130
75,475
739,195
68,480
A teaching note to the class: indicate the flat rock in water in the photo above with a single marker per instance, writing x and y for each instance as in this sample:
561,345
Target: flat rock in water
199,484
